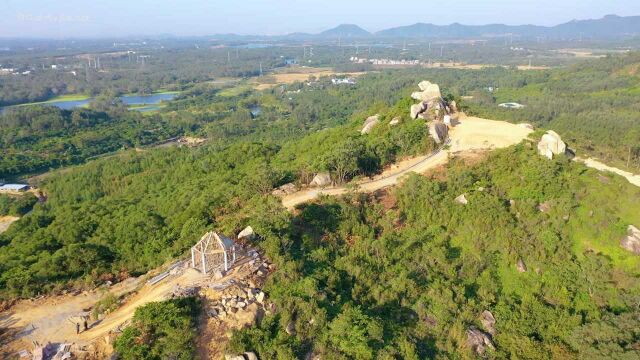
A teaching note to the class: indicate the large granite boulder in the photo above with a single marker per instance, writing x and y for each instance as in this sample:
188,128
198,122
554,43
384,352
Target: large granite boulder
370,123
429,90
439,131
417,109
478,341
321,179
631,242
551,144
247,234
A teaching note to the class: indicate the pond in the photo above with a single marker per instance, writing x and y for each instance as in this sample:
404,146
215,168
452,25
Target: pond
130,100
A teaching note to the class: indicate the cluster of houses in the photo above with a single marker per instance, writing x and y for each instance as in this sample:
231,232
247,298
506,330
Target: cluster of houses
385,62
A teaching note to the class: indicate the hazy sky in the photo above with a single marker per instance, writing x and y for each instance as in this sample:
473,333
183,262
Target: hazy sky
91,18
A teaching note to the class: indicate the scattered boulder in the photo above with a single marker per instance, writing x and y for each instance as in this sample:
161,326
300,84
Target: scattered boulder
488,322
631,242
247,234
545,207
526,126
479,341
439,131
462,199
250,355
395,121
285,189
291,328
521,266
321,179
370,123
551,144
233,357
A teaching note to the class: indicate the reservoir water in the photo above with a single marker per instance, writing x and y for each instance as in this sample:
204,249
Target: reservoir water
131,100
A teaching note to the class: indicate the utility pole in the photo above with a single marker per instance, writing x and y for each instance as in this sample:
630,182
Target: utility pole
441,51
228,57
260,68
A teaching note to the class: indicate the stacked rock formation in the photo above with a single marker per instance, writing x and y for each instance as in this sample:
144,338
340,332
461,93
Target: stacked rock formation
433,108
431,105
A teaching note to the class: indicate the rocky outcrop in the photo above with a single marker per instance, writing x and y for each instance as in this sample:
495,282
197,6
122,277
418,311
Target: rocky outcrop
285,189
321,179
247,234
395,121
479,341
370,123
631,242
438,131
551,144
488,322
431,106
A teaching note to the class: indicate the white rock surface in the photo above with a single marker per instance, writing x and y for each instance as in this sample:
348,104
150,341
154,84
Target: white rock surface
321,179
247,234
631,242
369,124
462,200
551,144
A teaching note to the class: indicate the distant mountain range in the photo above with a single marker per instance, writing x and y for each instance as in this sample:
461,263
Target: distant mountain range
610,26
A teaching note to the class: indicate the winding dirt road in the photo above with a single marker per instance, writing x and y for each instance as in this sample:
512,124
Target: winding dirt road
470,134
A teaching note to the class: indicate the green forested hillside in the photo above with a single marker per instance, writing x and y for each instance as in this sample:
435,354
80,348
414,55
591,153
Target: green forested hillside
594,105
130,213
361,280
358,277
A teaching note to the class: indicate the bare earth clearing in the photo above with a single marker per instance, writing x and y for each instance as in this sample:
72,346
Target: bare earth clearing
295,75
50,319
5,221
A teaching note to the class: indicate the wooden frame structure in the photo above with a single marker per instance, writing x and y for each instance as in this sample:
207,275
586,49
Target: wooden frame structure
212,252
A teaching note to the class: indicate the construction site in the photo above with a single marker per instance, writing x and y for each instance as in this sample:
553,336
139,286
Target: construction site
69,326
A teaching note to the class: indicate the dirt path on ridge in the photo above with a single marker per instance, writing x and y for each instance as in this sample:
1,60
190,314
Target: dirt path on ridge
471,134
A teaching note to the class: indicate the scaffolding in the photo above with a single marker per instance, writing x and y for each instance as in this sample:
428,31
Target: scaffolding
213,252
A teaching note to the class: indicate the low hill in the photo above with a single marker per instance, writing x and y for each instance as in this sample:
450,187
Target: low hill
609,26
345,31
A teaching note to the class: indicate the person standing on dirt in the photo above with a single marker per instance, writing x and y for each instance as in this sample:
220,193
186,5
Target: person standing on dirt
77,328
85,325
